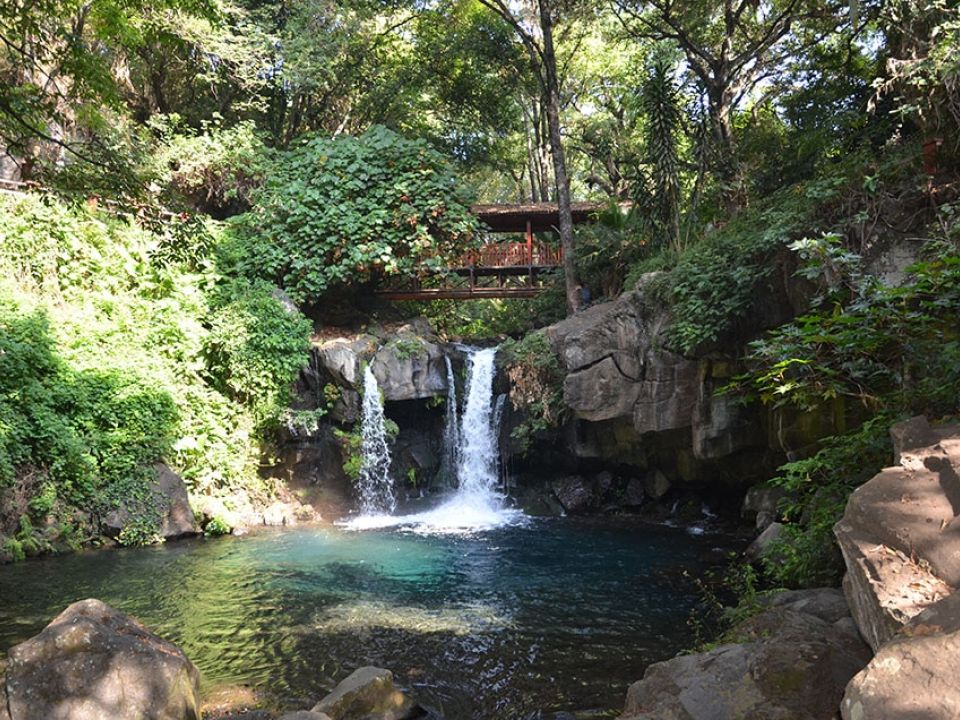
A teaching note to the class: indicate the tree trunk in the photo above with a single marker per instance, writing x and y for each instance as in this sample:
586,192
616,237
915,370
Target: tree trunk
720,107
552,91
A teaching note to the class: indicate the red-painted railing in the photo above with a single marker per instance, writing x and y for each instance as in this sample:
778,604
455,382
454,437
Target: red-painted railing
507,255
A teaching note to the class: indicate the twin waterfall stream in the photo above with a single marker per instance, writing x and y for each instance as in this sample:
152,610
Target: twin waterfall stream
470,458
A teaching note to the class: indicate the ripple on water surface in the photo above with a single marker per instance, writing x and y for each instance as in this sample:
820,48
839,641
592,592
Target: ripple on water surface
550,614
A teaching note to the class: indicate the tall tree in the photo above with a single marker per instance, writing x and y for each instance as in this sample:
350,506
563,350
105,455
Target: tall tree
536,32
731,50
58,63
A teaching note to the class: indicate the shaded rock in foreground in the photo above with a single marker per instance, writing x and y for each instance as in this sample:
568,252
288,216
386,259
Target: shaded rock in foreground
368,694
914,675
791,666
93,662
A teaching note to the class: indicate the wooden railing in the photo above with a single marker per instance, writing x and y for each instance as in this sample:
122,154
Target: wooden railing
508,255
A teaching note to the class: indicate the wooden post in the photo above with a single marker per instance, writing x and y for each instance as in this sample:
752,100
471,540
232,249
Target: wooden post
930,148
529,253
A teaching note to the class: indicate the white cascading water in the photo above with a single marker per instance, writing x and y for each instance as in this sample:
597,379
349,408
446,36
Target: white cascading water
374,484
477,471
451,430
476,504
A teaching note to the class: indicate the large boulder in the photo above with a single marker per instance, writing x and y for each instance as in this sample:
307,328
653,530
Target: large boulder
408,363
410,368
828,604
95,663
900,532
764,544
914,675
368,694
762,504
579,495
168,500
790,665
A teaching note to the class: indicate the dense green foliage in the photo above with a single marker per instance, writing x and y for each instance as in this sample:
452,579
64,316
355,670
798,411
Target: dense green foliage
353,209
113,360
143,331
255,347
536,386
806,554
880,352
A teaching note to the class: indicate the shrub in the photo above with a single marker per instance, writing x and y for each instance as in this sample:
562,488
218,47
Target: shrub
217,170
104,351
352,209
217,526
536,385
806,555
255,347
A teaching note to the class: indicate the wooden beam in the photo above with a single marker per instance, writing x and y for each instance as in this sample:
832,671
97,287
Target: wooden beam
477,293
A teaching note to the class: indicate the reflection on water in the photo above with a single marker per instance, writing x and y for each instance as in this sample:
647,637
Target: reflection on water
555,615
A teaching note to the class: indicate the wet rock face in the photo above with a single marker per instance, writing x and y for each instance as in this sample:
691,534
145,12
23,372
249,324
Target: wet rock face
410,368
580,495
791,665
92,663
900,532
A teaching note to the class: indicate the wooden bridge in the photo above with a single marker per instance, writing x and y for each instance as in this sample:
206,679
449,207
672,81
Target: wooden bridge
499,269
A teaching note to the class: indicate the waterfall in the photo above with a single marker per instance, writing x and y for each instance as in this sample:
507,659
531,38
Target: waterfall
477,471
472,450
451,430
374,484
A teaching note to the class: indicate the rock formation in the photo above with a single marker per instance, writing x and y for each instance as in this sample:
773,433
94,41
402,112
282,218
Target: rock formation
368,694
636,402
92,662
790,662
900,537
168,501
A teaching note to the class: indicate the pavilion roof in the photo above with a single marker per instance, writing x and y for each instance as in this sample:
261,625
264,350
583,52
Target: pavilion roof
542,215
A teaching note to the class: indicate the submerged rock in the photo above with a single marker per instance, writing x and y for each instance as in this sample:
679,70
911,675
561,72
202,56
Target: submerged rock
368,694
93,662
791,666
